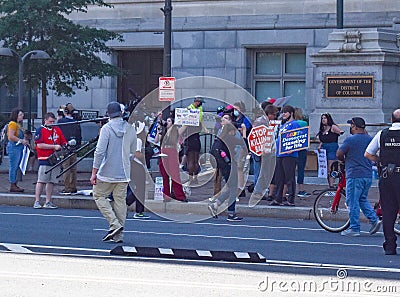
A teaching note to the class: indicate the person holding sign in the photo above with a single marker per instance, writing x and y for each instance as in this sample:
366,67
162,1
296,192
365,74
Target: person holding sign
302,159
328,135
168,135
286,161
267,159
192,142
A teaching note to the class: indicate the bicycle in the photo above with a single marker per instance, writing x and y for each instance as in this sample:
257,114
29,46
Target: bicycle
330,209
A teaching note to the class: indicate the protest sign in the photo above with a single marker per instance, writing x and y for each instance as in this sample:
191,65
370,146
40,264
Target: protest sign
260,139
188,117
322,163
294,140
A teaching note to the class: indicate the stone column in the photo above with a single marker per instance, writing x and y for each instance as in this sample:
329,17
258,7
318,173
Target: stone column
357,74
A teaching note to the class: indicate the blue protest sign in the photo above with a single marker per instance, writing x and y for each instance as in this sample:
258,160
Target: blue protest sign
294,140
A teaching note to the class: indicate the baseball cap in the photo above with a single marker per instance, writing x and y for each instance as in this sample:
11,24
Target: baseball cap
199,98
357,121
114,109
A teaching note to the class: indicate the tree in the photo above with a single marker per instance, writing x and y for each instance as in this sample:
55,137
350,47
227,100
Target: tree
74,49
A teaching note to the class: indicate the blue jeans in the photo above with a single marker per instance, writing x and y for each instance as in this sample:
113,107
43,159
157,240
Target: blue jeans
14,154
256,166
356,199
301,165
267,168
230,191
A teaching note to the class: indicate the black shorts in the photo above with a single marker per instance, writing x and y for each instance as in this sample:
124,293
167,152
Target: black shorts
192,144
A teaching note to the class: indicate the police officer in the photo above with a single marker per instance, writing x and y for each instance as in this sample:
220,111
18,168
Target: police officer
387,142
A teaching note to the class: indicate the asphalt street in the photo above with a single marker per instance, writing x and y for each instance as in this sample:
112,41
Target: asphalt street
290,246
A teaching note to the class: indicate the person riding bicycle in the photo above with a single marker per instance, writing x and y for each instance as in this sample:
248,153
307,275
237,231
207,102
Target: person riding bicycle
358,177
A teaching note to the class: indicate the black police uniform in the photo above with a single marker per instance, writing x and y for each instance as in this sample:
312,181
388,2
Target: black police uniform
389,184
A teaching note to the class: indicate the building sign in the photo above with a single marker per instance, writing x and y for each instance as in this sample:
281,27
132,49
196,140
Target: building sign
166,87
349,86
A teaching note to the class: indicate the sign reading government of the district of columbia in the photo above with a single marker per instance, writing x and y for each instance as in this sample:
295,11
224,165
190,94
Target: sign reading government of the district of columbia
188,117
166,88
349,86
294,140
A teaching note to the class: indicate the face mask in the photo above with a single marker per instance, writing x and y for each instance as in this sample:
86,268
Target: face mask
235,113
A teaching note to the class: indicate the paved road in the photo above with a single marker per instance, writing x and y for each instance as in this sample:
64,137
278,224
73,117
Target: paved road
297,249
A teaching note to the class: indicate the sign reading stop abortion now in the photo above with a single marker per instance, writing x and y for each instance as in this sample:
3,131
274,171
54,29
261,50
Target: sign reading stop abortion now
294,140
261,139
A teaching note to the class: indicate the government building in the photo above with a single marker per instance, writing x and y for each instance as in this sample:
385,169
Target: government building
269,48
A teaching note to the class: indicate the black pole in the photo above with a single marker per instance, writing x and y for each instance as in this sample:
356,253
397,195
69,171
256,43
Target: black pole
339,14
30,109
167,10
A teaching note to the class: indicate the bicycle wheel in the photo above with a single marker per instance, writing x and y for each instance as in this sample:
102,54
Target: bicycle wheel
336,221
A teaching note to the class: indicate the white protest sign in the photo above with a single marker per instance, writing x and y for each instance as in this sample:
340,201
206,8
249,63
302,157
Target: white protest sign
158,189
188,117
322,163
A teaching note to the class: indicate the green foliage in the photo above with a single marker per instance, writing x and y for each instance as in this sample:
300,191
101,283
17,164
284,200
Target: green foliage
74,49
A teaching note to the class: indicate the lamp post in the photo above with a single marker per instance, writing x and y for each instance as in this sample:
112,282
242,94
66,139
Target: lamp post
34,55
339,14
167,10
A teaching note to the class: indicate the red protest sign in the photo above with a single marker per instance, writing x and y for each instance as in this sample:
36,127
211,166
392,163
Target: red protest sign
260,139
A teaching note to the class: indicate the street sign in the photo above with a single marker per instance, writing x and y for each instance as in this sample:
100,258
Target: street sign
166,87
261,139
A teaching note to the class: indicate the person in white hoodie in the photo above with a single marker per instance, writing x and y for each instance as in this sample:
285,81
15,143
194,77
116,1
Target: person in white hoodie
111,170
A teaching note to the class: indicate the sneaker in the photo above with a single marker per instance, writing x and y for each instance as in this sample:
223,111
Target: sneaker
213,210
119,238
234,218
350,232
37,205
303,194
111,233
65,192
141,215
50,205
375,227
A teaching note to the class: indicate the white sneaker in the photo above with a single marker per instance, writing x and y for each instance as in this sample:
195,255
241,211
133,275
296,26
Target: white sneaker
50,205
37,205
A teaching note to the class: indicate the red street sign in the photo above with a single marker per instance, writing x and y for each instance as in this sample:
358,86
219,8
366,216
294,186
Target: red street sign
260,139
166,87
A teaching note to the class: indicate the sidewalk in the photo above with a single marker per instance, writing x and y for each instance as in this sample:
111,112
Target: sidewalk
197,205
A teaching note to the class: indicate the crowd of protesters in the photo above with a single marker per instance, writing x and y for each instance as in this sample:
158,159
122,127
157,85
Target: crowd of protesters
178,147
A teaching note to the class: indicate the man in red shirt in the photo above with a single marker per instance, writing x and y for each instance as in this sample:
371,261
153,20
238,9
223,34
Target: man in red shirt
47,139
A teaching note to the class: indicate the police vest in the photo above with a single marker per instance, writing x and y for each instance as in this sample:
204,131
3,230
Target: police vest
390,147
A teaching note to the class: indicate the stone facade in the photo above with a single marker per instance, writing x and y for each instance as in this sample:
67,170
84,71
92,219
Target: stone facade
217,38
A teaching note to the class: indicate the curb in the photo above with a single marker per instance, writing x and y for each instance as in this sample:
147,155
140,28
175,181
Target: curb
200,208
